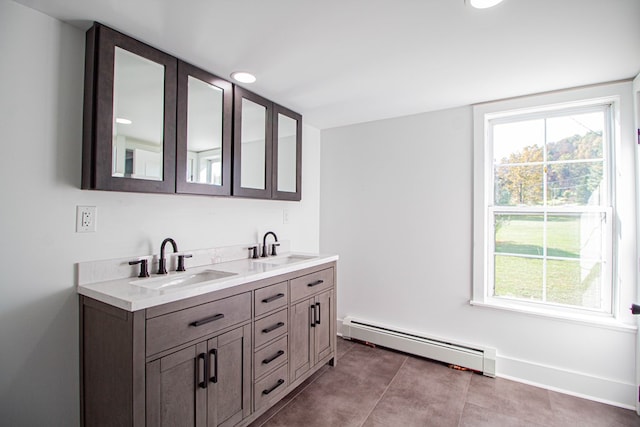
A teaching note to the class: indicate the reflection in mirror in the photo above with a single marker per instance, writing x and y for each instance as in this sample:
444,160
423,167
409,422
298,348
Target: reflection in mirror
138,111
204,133
286,153
253,145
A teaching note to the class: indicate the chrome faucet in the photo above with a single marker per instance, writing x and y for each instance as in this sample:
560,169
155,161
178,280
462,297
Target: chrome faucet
162,269
273,246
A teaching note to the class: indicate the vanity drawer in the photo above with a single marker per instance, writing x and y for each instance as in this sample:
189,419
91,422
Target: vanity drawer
309,284
270,387
270,298
271,356
172,329
271,327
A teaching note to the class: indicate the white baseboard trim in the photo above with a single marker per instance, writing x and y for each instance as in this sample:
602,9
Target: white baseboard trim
579,384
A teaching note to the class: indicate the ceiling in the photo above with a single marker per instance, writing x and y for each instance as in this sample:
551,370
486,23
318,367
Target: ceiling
339,62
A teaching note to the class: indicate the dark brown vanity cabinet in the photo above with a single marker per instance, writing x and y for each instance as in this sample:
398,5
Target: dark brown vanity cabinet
218,359
267,149
129,135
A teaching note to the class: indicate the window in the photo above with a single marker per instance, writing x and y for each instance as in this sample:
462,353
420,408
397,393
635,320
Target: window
543,206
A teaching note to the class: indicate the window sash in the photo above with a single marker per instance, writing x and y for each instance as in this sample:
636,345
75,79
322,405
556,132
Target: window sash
606,289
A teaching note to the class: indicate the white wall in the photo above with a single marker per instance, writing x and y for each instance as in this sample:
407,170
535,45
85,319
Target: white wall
396,205
41,83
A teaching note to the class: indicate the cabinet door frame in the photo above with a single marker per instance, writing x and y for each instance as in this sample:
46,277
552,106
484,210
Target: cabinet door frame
242,333
287,195
302,339
101,42
324,330
182,185
154,384
238,190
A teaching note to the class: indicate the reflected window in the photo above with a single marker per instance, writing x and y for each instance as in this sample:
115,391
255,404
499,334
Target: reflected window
138,117
204,132
287,145
253,145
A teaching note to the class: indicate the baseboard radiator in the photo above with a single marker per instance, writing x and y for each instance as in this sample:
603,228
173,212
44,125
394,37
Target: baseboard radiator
473,357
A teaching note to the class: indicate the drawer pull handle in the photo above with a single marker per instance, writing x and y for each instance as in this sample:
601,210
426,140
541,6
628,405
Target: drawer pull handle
214,353
273,298
272,358
273,328
278,384
207,320
203,383
316,283
317,313
312,313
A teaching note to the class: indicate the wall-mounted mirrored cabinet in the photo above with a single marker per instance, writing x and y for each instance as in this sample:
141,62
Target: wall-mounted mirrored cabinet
203,156
130,113
267,149
153,123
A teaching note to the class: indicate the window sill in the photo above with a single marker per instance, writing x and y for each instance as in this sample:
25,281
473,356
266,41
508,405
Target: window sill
606,322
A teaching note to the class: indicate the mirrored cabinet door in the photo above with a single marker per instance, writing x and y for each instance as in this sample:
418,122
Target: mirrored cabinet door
129,123
287,154
253,143
203,157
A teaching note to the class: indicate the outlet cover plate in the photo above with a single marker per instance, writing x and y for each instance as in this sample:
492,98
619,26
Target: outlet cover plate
86,217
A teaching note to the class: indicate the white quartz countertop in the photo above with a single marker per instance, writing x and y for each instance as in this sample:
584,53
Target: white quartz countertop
134,294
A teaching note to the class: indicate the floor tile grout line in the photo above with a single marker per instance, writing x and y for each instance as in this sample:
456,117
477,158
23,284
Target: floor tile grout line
406,358
466,397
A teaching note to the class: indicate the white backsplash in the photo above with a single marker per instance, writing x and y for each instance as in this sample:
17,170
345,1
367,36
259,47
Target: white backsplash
119,268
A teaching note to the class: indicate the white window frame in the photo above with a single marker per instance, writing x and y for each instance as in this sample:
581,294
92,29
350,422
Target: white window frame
483,180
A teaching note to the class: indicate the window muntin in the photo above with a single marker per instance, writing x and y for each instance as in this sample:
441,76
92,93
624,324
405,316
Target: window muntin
550,217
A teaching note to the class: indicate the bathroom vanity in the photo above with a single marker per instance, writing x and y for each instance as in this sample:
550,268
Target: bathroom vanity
216,345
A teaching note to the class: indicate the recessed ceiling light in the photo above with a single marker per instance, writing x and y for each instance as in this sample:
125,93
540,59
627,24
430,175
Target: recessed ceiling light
123,121
483,4
243,77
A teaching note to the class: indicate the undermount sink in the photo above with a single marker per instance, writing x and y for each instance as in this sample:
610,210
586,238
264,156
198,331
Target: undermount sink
181,280
285,259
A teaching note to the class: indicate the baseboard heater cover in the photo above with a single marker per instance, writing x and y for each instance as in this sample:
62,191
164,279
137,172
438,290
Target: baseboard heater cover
474,357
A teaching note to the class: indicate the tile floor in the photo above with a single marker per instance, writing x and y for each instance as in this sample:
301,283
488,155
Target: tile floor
378,387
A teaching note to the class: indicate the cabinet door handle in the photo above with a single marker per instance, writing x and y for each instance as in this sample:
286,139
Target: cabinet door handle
318,313
278,384
273,298
207,320
201,357
272,358
316,283
273,328
312,312
214,353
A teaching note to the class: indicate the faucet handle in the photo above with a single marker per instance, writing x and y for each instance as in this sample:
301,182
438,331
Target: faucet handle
254,251
273,248
181,258
144,272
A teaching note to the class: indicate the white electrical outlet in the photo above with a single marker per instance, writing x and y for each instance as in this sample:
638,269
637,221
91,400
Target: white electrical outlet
86,217
285,216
